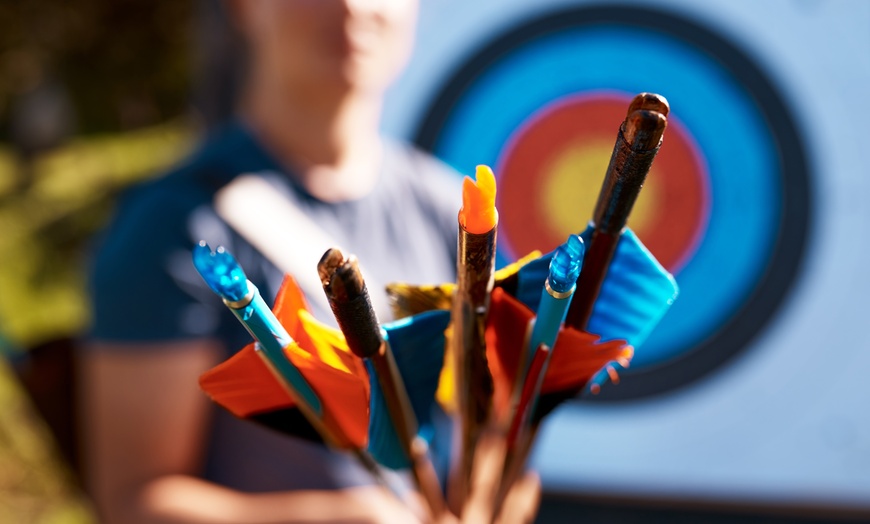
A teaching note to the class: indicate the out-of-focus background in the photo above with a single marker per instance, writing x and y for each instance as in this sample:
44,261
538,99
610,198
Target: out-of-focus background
93,97
747,404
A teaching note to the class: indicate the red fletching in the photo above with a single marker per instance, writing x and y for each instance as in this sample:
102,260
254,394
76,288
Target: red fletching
505,344
577,355
527,395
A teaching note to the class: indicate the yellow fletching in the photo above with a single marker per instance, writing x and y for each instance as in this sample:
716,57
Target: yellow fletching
510,269
329,343
446,392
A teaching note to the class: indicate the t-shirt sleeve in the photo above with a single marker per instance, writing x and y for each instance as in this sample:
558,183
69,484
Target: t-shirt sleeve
143,285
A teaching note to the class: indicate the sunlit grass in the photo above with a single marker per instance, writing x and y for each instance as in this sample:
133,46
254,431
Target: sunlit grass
35,486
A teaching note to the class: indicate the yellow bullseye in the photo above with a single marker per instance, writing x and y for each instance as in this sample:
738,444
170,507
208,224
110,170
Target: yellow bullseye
571,183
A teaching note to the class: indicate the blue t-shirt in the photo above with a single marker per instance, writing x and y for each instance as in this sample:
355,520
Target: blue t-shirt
146,290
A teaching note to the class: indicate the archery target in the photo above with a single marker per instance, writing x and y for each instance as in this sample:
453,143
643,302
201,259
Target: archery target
551,168
727,199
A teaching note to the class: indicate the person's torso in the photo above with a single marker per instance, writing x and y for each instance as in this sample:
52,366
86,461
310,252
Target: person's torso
404,230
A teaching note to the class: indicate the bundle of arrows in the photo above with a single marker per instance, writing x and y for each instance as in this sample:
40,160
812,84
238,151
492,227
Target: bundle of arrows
497,350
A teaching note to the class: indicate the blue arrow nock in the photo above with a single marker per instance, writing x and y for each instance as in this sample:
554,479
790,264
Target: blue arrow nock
221,272
565,264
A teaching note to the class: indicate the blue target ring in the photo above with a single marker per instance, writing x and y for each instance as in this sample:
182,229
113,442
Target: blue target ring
759,211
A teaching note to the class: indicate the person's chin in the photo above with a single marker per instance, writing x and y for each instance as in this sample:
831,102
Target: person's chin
348,74
359,74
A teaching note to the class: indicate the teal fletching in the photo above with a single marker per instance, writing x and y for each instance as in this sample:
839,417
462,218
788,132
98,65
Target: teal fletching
636,292
418,346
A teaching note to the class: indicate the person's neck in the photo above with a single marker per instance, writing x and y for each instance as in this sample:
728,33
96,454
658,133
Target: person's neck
329,142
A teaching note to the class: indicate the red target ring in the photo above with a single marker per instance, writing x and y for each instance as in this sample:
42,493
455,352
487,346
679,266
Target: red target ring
553,166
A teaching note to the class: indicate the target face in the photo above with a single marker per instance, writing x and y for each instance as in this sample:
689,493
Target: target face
551,170
726,204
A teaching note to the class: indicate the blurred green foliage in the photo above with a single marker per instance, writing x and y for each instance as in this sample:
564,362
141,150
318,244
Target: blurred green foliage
123,64
93,95
46,229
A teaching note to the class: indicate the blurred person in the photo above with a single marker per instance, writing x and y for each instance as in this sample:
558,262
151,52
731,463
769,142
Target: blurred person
155,448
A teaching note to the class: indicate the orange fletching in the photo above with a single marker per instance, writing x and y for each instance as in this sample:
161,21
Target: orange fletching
245,386
345,396
288,302
478,214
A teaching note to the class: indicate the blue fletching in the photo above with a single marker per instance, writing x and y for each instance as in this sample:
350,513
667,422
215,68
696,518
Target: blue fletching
565,264
634,296
418,347
383,441
220,271
530,279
